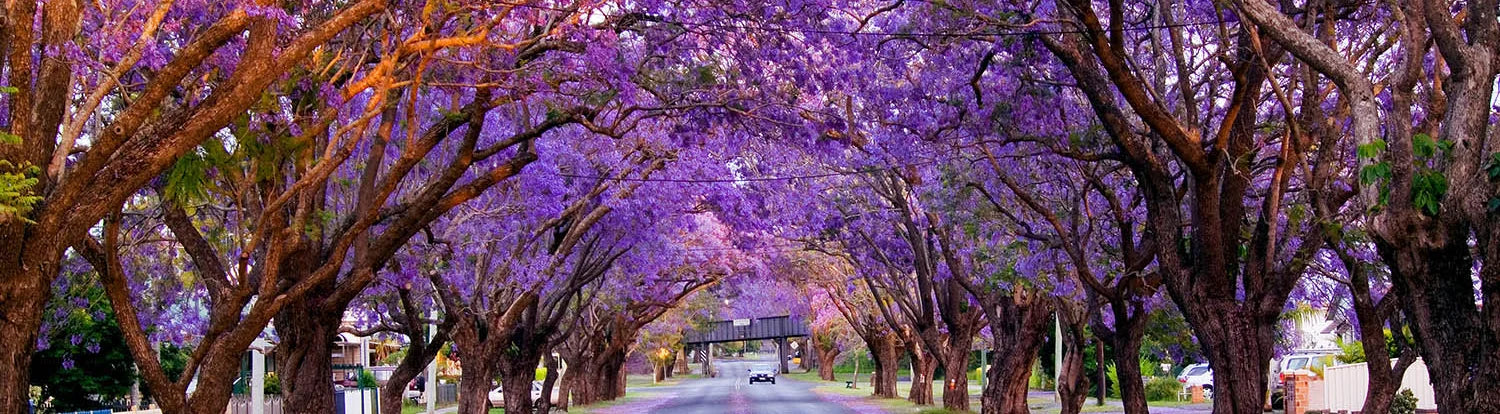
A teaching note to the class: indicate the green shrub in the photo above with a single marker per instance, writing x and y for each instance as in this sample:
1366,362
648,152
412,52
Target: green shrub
1150,368
1405,403
367,380
1114,380
273,384
1162,389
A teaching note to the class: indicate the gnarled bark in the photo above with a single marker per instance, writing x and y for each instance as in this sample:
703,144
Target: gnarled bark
1018,322
1072,384
923,366
885,351
827,355
306,358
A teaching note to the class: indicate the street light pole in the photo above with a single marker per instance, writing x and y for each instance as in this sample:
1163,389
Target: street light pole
431,370
984,366
257,381
1057,350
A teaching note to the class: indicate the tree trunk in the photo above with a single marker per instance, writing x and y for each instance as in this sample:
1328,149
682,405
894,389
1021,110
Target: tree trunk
618,373
826,357
517,371
306,361
609,378
805,362
548,382
1005,390
1073,385
1100,373
921,378
886,354
1384,378
683,362
576,387
1128,372
394,390
568,383
1239,346
956,368
474,382
22,299
1437,294
596,380
221,377
1018,322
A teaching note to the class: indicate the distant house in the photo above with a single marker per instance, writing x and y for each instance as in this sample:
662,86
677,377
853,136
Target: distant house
1314,328
352,353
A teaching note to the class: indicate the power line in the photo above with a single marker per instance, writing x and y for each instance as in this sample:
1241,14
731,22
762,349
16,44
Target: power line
772,29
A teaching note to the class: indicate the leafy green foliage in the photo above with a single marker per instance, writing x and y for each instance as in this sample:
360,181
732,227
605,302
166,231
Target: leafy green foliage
86,364
1405,403
1423,146
1372,149
367,380
16,196
1114,380
1429,185
395,357
1162,389
173,362
1375,173
187,179
1493,169
1351,352
273,384
1428,189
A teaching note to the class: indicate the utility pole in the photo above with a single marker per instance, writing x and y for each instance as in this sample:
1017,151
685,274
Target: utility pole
258,350
431,393
1057,350
1099,364
257,381
984,366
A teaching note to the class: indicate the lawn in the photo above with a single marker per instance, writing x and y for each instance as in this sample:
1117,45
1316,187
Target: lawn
408,408
579,409
902,406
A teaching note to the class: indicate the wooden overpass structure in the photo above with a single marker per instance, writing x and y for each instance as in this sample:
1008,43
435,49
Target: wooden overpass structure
775,328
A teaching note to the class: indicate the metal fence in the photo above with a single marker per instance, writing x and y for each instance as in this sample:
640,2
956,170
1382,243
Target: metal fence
447,394
240,404
1345,386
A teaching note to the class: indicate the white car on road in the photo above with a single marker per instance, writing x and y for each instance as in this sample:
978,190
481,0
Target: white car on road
1198,375
497,395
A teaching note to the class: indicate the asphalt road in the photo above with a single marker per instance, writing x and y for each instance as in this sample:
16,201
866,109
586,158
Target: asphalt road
731,392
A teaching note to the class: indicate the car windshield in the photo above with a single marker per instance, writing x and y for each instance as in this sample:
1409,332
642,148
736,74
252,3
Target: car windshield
1297,363
762,368
1197,371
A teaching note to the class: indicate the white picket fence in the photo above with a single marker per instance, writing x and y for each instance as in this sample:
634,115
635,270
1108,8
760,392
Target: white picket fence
240,404
1344,386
